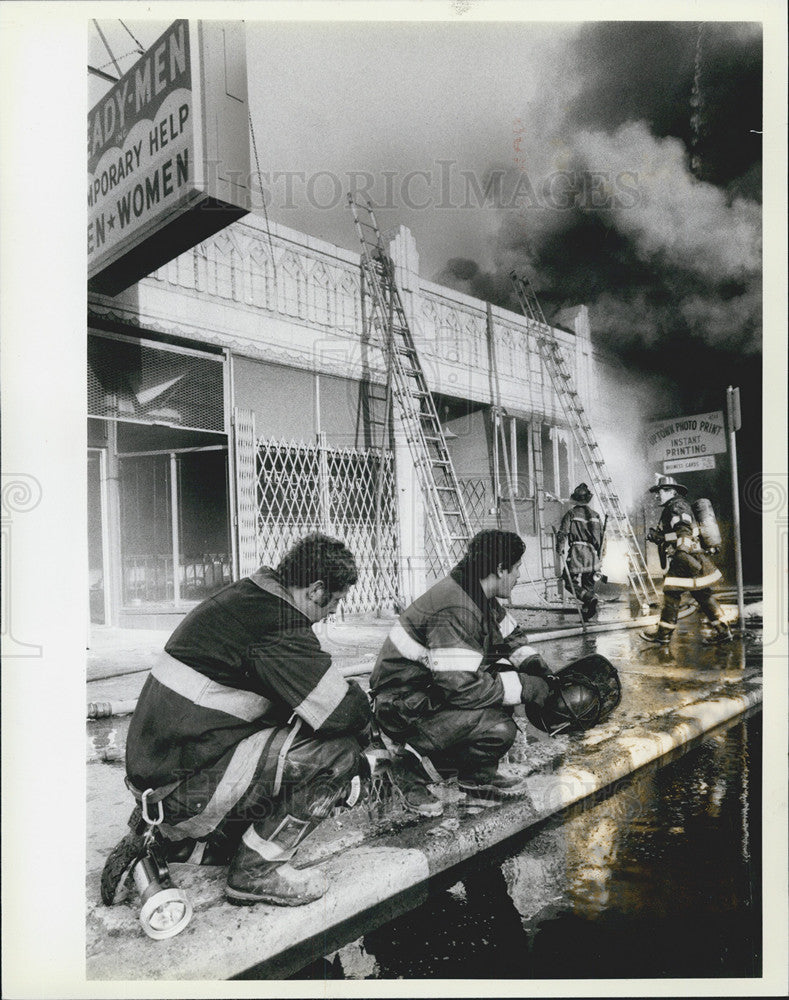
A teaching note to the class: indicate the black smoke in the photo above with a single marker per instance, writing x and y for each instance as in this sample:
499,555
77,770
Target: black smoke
648,207
672,274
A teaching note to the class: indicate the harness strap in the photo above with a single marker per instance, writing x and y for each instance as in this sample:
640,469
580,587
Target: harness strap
153,795
283,753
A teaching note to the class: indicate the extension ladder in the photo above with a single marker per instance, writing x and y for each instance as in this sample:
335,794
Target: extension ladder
445,509
602,484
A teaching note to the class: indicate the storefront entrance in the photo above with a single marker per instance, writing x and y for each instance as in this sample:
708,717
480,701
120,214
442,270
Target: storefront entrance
159,524
174,526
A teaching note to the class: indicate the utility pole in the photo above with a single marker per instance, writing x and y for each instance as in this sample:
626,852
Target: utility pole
734,423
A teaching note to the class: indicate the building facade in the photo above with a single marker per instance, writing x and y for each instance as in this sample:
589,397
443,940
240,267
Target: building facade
230,412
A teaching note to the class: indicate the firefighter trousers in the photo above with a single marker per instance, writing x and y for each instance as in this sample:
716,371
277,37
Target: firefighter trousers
219,803
704,598
465,742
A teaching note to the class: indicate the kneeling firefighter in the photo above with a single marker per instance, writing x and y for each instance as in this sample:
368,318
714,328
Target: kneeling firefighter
690,568
451,672
244,738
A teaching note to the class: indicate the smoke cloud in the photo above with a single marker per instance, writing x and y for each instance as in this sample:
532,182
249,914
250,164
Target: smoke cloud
652,214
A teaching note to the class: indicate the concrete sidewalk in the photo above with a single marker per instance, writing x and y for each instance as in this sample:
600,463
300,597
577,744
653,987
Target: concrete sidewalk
669,698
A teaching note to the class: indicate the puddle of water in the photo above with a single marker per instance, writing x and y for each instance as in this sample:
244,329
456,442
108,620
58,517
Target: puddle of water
106,739
662,878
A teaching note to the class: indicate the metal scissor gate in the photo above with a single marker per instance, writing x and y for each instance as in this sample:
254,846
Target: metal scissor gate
406,383
564,386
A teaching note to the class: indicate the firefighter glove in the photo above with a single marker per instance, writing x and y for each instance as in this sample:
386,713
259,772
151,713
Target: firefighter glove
535,666
535,690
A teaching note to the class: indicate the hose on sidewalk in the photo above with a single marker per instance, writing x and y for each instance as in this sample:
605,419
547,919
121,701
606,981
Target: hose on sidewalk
108,709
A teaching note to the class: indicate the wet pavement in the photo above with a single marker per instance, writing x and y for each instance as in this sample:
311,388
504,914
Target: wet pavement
660,877
669,697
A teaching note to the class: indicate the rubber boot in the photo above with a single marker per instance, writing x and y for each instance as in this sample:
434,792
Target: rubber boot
487,790
410,778
661,635
720,636
260,873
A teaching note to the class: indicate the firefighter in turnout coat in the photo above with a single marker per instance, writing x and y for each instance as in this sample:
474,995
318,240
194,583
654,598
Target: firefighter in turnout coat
450,673
690,569
246,732
579,542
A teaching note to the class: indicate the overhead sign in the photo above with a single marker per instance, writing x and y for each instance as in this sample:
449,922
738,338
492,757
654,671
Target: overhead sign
689,464
168,152
686,437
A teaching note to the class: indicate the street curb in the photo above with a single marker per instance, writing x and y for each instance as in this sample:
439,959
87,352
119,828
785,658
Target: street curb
370,875
618,758
262,933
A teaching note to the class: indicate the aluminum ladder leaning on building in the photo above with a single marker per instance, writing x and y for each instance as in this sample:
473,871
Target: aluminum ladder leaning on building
446,513
602,484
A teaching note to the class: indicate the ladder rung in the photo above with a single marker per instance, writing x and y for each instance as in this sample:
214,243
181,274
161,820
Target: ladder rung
422,429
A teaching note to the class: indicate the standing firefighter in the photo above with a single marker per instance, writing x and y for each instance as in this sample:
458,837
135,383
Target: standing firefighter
245,733
449,674
690,569
579,542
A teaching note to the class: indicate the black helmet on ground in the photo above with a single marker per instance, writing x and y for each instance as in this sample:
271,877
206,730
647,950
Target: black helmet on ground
584,694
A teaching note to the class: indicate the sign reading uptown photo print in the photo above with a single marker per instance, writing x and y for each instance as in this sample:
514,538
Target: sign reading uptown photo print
168,152
686,438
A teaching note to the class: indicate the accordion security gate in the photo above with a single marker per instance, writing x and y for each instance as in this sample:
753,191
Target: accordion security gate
305,487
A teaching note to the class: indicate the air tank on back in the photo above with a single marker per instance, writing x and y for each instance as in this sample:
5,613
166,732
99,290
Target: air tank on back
709,532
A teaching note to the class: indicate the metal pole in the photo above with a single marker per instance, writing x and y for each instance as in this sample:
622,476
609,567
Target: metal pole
323,476
495,402
733,413
496,473
174,524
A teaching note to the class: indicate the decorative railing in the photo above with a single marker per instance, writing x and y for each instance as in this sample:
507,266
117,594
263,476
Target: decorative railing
320,288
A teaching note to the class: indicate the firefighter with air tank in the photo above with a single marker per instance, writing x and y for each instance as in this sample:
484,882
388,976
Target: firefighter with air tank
687,549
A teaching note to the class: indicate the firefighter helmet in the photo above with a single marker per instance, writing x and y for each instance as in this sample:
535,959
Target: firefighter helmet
584,694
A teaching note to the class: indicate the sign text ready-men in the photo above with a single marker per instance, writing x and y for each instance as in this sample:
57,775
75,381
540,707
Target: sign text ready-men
686,438
168,153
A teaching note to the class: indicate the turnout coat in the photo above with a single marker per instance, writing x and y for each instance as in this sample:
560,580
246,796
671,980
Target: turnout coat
583,529
677,535
453,648
245,662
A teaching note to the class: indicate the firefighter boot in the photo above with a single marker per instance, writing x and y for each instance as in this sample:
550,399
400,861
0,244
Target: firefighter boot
720,636
260,873
410,777
661,635
489,789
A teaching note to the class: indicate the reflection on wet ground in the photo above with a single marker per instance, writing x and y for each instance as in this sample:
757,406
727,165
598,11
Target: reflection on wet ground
661,878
